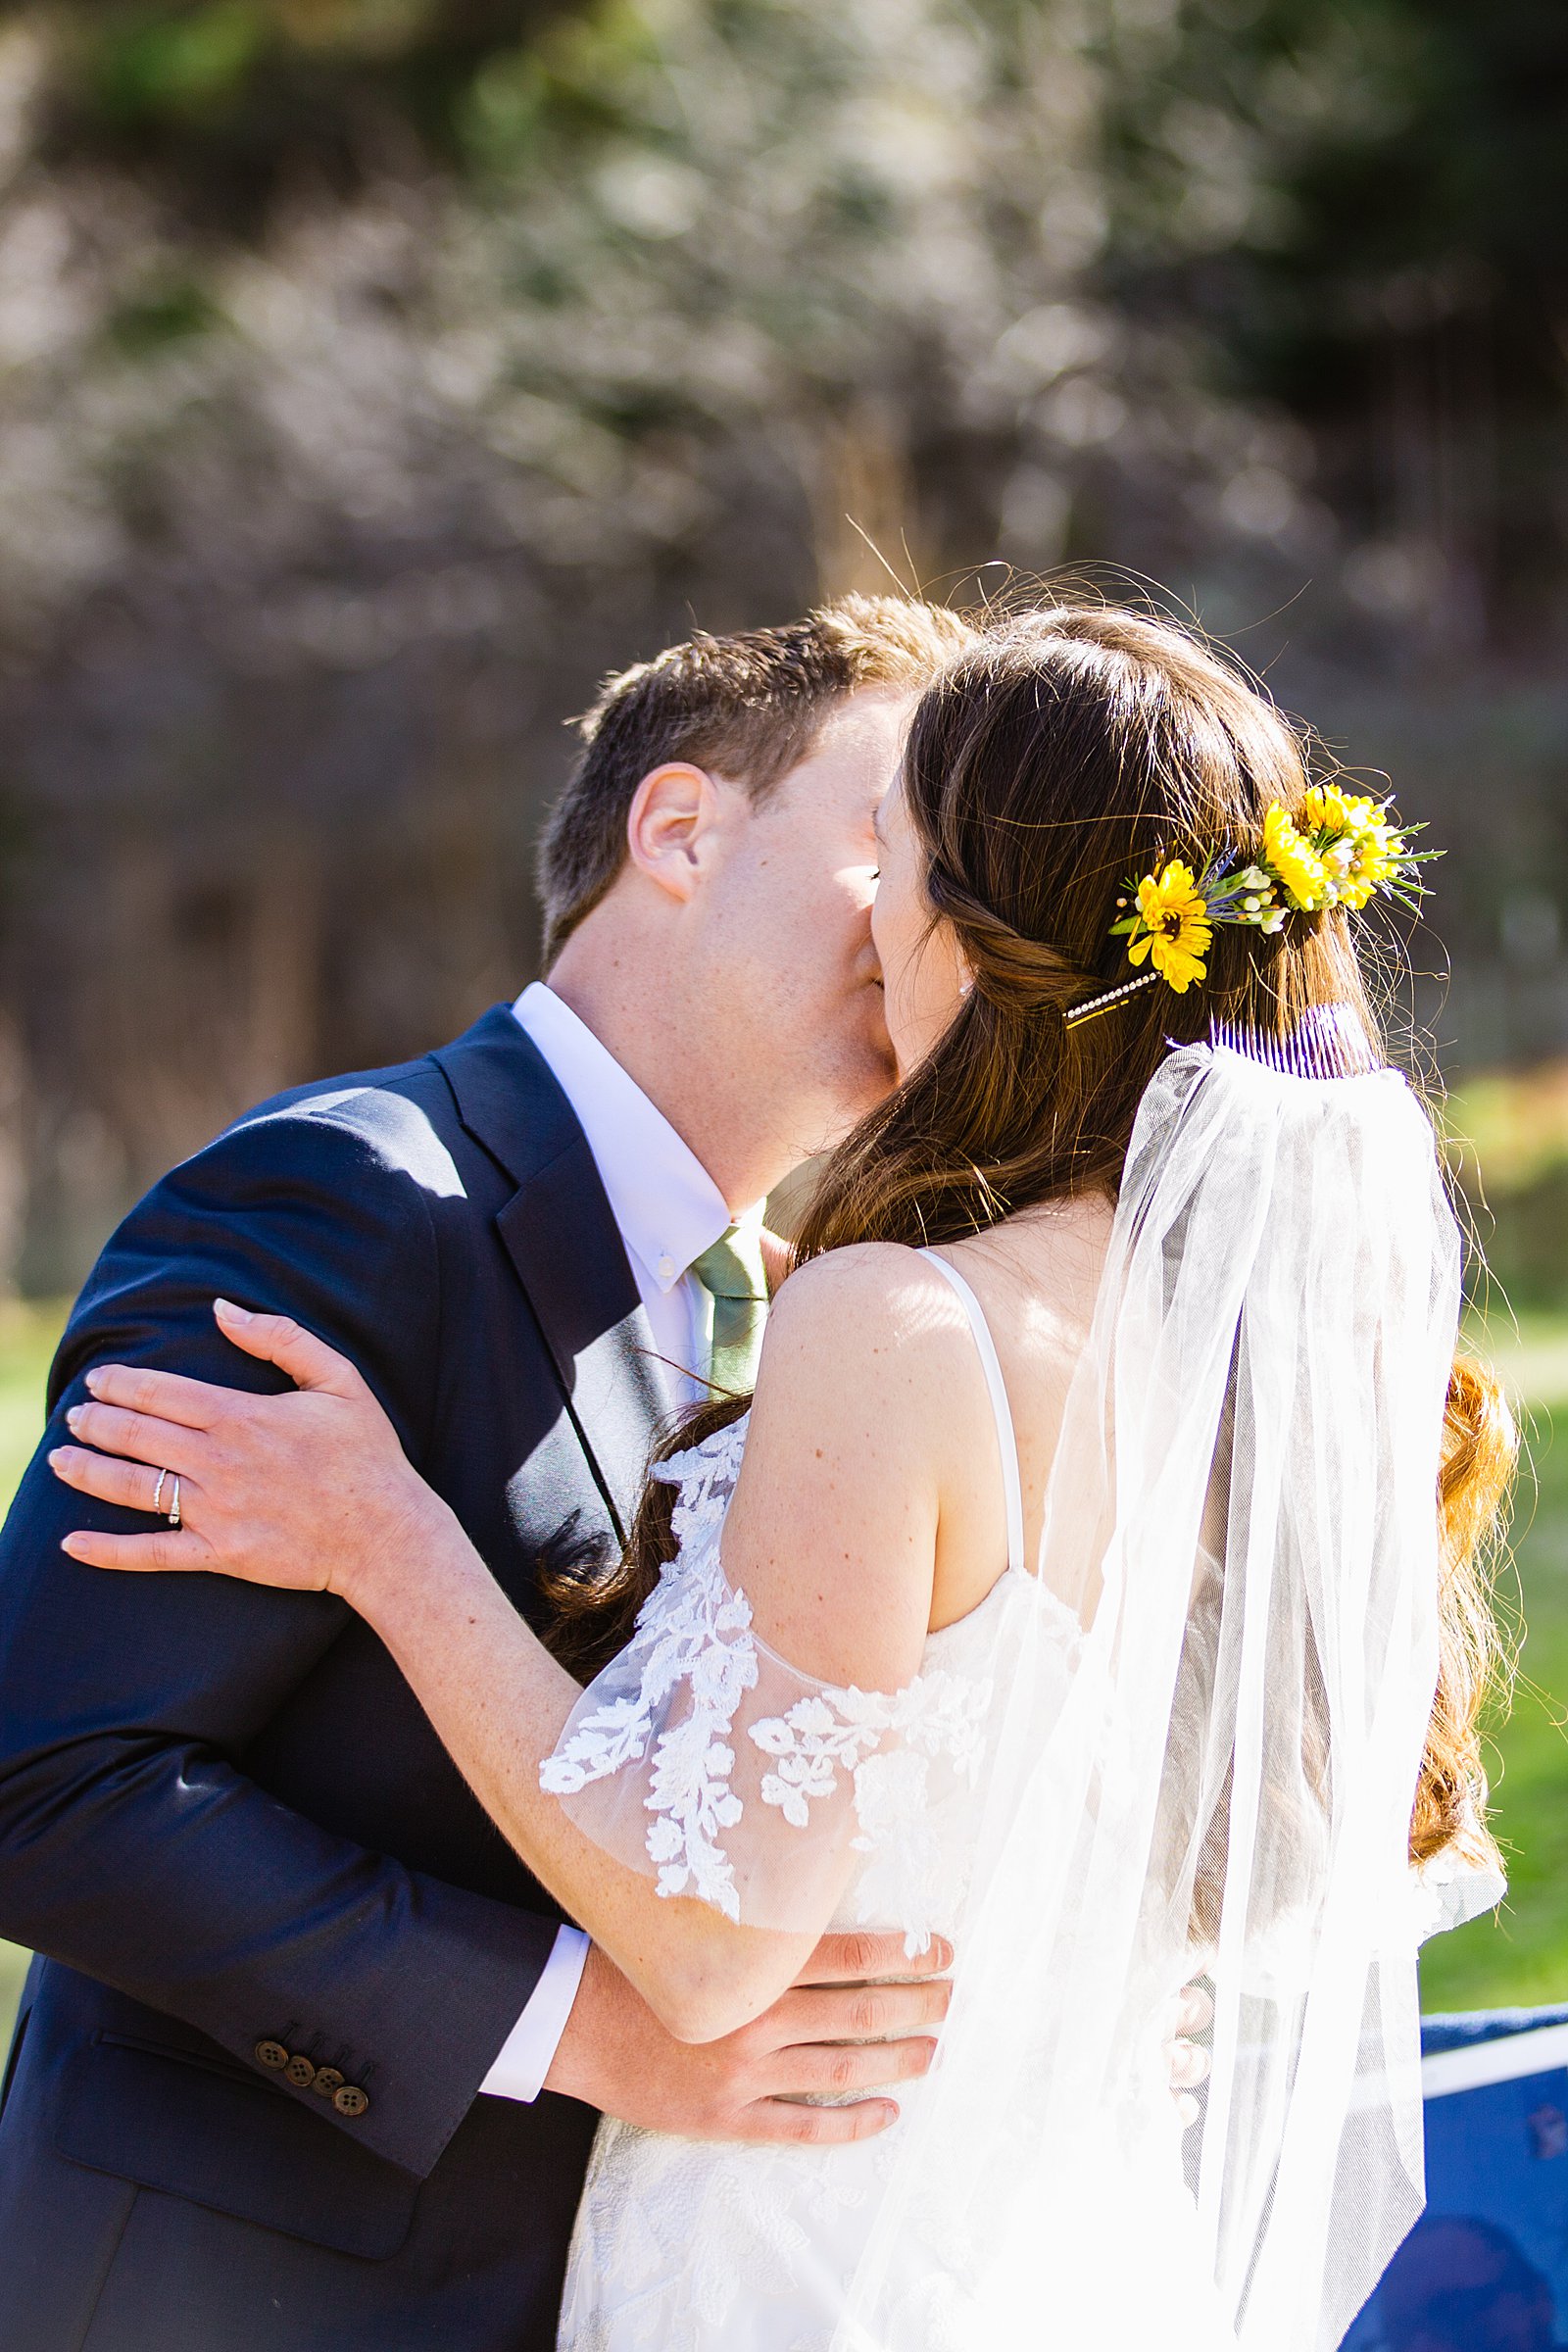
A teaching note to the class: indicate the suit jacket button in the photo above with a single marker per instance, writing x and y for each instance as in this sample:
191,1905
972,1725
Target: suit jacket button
350,2100
273,2054
328,2080
300,2071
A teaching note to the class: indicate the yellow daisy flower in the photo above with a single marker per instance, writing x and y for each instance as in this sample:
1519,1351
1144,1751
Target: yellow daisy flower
1293,859
1176,927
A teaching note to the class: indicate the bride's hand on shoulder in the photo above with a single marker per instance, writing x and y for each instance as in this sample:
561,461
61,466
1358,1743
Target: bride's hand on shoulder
309,1490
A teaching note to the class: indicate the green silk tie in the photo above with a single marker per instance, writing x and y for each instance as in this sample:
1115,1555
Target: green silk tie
733,1275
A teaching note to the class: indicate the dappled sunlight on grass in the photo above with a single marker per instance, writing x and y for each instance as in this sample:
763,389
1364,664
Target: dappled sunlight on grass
1514,1126
12,1969
1521,1956
1508,1148
28,1335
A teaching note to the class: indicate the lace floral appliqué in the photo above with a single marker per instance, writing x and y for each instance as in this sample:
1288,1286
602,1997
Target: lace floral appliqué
666,1708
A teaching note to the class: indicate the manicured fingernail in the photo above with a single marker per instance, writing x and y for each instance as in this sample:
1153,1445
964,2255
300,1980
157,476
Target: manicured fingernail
72,1420
94,1378
69,1544
227,1306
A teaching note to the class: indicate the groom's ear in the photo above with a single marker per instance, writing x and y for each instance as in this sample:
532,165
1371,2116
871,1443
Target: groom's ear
671,824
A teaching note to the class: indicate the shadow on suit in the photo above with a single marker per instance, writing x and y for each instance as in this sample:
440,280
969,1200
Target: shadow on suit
223,1816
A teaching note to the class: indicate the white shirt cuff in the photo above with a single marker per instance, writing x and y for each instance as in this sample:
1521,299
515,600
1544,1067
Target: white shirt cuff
529,2049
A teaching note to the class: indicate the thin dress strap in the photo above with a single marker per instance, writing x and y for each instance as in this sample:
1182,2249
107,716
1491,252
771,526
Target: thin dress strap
1007,1440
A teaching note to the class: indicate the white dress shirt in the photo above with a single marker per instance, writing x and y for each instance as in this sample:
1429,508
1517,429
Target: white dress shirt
668,1210
665,1203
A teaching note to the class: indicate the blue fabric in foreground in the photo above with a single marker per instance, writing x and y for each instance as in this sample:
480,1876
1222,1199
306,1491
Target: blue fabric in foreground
1483,2025
1486,2268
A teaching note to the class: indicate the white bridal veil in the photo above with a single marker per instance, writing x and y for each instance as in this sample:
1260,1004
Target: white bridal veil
1212,1782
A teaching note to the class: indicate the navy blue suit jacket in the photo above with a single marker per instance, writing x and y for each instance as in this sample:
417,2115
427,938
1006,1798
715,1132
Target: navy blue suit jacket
224,1817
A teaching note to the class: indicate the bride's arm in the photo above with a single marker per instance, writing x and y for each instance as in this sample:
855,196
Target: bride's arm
832,1535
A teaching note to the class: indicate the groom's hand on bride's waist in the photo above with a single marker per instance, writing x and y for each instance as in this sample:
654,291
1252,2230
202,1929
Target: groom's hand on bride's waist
859,2020
1187,2019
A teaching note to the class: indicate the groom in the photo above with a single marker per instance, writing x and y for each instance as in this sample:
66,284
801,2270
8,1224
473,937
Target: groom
313,2063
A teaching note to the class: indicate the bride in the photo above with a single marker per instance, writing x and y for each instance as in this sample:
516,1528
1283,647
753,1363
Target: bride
1091,1579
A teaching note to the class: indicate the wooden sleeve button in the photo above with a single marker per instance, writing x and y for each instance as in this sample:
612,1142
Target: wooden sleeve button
350,2101
271,2054
300,2071
328,2080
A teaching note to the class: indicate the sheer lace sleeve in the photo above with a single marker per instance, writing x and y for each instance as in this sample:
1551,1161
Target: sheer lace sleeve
704,1760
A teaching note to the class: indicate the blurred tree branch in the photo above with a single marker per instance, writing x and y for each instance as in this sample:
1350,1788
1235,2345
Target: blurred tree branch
376,372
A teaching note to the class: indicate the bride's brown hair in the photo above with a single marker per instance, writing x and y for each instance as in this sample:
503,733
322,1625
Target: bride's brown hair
1067,750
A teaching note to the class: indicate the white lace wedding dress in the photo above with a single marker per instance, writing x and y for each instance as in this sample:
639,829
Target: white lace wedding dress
691,2246
1182,1745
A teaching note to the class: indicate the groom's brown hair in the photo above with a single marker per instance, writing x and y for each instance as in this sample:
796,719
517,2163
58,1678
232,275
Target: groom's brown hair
749,706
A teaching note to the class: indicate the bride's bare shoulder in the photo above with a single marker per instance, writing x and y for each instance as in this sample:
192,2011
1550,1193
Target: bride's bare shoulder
1037,1276
1055,1246
856,1423
869,1331
881,1290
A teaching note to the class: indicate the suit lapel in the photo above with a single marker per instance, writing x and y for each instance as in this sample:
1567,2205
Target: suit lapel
582,1291
562,1239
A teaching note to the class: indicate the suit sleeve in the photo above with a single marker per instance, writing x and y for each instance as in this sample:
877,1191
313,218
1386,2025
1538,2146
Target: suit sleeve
132,1846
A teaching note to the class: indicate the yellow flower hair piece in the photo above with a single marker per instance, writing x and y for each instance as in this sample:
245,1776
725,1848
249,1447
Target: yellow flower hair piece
1342,849
1291,858
1366,852
1173,926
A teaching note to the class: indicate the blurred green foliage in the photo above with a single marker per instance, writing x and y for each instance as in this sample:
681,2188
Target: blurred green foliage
1520,1957
235,93
12,1970
1509,1145
1308,181
163,66
376,374
1247,293
28,1332
1359,207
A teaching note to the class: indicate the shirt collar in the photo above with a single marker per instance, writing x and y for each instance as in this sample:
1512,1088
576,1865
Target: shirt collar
667,1206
